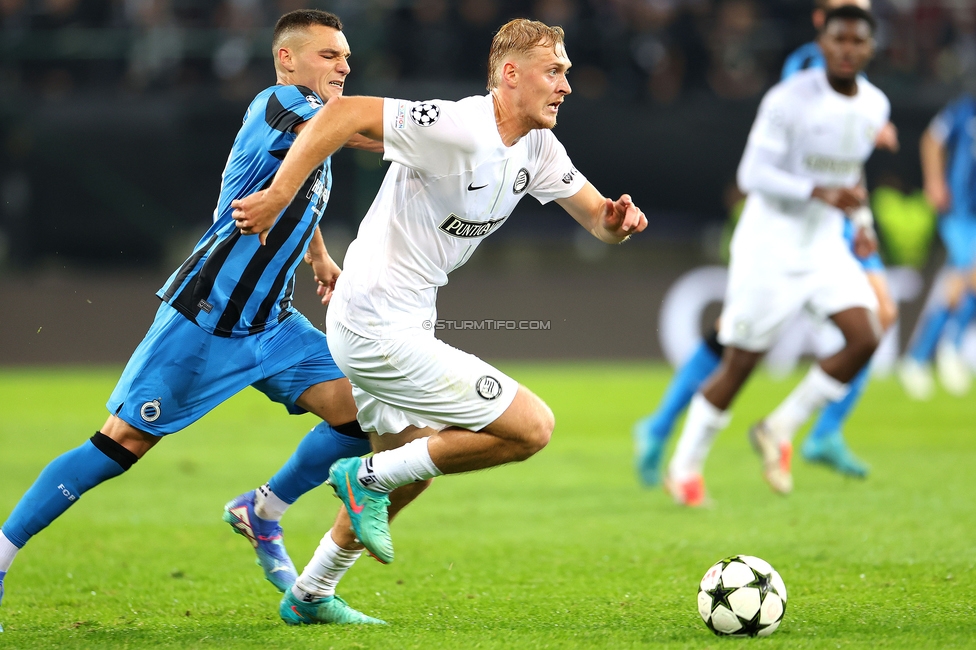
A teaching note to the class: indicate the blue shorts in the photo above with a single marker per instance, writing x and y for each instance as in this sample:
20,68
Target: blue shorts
179,372
958,232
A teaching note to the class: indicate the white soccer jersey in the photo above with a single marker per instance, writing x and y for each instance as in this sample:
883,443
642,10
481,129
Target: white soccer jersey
811,135
452,183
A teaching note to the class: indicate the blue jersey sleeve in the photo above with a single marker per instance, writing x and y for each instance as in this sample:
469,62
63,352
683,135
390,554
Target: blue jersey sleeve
951,121
803,58
289,106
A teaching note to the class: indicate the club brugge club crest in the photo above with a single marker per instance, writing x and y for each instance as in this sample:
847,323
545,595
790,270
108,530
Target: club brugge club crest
424,113
488,387
521,181
151,411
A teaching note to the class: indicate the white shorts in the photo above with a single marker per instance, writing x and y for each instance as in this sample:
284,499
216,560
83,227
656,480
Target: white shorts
761,299
418,380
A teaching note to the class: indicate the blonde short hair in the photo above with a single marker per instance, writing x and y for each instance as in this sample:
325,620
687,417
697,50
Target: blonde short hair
519,36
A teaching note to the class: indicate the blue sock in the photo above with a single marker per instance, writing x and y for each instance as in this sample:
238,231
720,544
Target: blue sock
834,415
930,334
61,484
682,388
959,320
309,466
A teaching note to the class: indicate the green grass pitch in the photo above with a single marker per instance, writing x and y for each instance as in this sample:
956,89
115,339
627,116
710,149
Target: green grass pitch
562,551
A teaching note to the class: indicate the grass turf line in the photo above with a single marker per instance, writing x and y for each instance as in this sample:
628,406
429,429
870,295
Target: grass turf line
562,551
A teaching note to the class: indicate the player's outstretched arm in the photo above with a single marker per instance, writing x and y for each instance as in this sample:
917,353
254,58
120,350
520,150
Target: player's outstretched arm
607,220
332,126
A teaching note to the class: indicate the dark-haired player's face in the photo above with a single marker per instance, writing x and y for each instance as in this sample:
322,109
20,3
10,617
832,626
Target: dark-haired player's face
543,85
321,59
847,46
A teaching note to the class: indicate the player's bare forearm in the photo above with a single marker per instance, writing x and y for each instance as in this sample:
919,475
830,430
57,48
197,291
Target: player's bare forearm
325,269
363,143
609,221
339,120
316,248
320,137
932,154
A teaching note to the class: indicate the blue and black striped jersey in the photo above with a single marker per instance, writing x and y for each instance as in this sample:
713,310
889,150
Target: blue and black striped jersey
231,285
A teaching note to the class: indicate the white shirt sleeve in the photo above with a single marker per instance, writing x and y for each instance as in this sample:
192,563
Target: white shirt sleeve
555,177
762,167
429,137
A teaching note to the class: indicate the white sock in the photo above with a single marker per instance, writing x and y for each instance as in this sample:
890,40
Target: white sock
267,505
8,551
324,570
702,424
809,396
388,470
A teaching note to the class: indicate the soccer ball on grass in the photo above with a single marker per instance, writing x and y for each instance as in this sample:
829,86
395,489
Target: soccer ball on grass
742,596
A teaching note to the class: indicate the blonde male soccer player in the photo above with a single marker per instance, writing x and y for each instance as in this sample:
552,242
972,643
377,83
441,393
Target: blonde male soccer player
459,169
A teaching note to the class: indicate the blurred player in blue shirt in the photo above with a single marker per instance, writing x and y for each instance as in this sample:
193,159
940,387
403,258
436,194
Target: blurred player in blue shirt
227,322
825,442
948,152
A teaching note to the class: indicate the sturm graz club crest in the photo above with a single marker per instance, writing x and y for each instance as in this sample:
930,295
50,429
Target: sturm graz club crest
151,411
521,181
488,387
424,113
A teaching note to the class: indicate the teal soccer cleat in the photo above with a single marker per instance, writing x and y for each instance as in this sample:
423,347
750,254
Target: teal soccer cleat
266,538
3,574
321,611
649,450
831,451
368,509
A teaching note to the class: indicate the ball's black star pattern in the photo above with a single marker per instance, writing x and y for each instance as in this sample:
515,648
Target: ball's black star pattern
720,596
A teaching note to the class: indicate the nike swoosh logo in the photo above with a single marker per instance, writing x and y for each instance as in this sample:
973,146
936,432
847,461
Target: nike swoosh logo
472,188
356,508
297,613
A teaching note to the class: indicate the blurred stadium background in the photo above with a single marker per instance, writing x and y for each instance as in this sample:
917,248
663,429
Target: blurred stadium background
116,117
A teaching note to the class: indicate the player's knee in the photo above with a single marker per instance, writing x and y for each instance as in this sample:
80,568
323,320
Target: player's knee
863,344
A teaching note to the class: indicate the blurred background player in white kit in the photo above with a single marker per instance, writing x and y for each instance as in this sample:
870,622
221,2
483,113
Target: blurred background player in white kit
802,168
825,442
459,169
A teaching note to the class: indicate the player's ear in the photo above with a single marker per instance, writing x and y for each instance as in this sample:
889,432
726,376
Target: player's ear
510,74
285,59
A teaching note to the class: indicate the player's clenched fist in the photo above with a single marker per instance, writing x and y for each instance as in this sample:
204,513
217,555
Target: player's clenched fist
255,214
623,218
